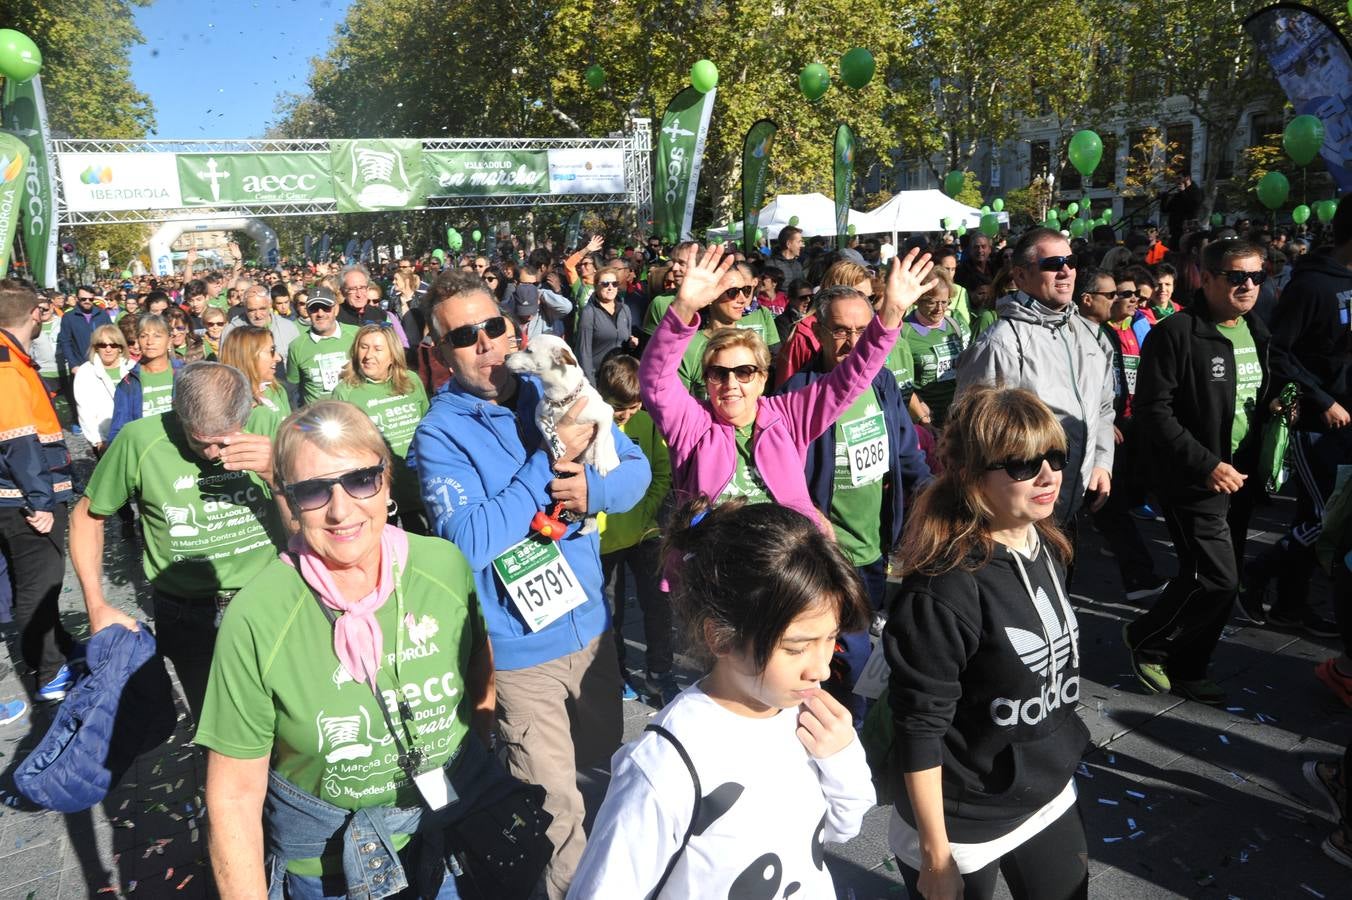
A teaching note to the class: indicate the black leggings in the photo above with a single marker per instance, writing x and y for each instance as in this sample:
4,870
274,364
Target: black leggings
1051,865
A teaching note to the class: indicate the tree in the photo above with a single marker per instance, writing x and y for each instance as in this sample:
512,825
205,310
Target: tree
1151,162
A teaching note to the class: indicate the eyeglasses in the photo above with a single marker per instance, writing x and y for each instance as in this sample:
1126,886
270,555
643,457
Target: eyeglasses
315,493
732,292
606,284
723,373
1237,277
45,308
466,335
107,346
492,278
807,295
356,288
841,333
1055,263
213,324
1024,469
1126,295
1105,294
179,329
404,268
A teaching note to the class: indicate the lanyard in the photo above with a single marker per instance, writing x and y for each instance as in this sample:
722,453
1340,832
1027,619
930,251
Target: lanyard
411,756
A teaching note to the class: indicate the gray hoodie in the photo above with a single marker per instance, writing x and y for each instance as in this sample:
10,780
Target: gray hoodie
1064,359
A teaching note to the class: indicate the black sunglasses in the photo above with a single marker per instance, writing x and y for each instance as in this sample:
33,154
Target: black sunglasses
1024,469
732,292
1237,277
606,284
1054,263
466,335
315,493
723,373
1126,295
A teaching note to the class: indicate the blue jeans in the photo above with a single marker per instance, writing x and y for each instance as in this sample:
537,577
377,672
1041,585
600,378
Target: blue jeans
334,887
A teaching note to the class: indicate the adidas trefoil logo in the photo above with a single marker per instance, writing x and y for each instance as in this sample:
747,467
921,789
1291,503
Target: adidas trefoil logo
1045,660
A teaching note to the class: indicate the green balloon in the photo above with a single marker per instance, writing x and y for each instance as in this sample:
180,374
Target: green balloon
1073,210
1077,228
1217,220
455,242
985,209
1051,223
1303,138
954,182
990,225
962,230
1273,189
856,67
850,229
704,76
1106,215
1053,215
596,76
793,221
1086,149
477,235
948,223
814,81
20,58
760,234
439,255
1325,209
1301,214
998,204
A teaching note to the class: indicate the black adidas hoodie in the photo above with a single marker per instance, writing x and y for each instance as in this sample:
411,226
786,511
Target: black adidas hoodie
985,679
1312,337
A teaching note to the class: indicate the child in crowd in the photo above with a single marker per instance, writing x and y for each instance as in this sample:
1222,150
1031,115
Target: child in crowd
754,764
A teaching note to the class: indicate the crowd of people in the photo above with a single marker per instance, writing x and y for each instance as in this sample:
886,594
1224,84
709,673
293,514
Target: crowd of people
372,567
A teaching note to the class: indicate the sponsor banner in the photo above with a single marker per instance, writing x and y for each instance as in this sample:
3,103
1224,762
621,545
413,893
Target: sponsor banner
486,173
26,117
108,182
1314,67
755,169
680,153
244,179
14,158
374,175
586,172
844,180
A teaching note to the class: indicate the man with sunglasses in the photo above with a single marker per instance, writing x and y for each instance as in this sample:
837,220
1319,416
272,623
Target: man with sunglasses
487,473
1199,398
1039,342
204,487
316,359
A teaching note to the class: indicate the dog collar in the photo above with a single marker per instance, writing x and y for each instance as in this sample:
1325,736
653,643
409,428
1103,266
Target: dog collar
568,401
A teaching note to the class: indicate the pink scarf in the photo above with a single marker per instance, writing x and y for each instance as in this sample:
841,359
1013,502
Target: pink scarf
357,638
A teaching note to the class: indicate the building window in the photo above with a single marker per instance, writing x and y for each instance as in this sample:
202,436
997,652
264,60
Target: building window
1180,135
1106,173
1039,159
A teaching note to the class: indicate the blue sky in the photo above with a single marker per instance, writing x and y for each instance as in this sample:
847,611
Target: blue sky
214,68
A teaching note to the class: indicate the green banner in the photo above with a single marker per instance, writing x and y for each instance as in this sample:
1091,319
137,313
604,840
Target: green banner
242,179
680,153
14,158
375,175
755,171
571,230
25,114
843,156
486,173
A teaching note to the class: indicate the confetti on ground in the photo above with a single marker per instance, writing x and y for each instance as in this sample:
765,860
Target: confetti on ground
889,865
1111,840
1106,802
1234,709
1310,890
169,874
184,883
1137,794
1112,760
1250,691
1224,739
1131,824
1135,834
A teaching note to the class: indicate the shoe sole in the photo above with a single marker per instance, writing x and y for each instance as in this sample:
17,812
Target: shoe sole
16,717
1146,593
1310,770
1336,854
1333,682
1205,701
1135,667
51,696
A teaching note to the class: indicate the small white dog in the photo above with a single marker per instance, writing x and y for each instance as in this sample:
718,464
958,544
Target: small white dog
551,359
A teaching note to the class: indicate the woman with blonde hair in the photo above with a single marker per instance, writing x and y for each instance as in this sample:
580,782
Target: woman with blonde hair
935,339
803,344
985,665
739,442
253,351
377,381
95,384
213,326
604,324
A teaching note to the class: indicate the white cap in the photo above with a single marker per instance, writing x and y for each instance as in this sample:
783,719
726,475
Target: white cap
885,253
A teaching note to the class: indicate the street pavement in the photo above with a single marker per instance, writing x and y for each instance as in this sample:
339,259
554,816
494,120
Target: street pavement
1179,800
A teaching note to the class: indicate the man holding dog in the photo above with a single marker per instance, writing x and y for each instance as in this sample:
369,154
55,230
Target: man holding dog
488,476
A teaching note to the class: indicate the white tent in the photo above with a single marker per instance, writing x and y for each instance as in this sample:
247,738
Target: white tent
919,211
816,216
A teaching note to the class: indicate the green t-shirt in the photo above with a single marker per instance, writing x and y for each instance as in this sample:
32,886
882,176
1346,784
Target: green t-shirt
315,363
936,353
207,530
267,415
278,690
746,479
691,370
984,320
1162,312
396,417
862,454
114,374
901,364
157,392
657,310
1248,379
762,321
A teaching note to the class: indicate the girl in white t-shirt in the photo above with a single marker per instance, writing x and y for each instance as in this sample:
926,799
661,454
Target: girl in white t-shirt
738,783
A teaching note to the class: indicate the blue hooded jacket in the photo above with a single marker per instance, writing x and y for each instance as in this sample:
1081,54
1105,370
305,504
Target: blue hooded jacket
906,470
484,473
127,397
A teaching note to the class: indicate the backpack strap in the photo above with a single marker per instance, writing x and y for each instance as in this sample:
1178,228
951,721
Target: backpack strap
694,816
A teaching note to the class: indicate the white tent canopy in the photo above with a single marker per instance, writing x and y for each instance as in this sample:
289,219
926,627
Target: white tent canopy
816,216
919,211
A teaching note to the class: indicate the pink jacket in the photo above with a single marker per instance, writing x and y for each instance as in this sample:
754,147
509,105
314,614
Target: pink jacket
704,449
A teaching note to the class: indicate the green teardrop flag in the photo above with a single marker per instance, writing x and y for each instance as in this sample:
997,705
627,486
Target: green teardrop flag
1086,149
1273,189
1303,138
